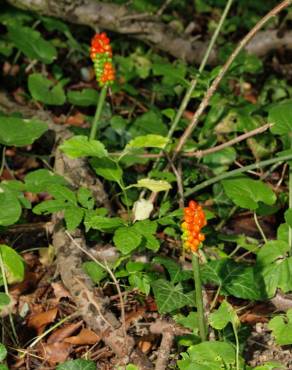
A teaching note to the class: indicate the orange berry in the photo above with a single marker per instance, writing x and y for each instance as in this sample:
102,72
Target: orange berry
192,205
201,237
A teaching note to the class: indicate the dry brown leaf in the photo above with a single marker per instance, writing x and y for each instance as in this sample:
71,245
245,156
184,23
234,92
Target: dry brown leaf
40,320
86,336
60,291
56,352
60,334
77,119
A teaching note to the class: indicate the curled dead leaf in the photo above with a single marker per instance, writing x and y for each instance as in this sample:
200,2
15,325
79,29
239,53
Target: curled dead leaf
60,334
86,336
40,320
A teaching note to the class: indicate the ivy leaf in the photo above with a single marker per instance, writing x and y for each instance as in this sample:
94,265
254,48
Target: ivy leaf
83,98
45,91
127,239
31,43
79,364
81,146
20,132
246,193
153,185
170,297
148,141
272,250
13,264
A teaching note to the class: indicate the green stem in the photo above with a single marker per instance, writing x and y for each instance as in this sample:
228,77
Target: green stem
237,346
256,220
199,297
99,107
238,171
290,206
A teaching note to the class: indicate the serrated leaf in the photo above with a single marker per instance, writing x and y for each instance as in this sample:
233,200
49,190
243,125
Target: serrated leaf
153,185
13,264
83,98
221,317
102,223
127,239
282,330
73,217
20,132
281,115
49,206
148,141
107,169
10,208
81,146
38,181
246,193
32,44
170,297
85,198
79,364
45,91
94,271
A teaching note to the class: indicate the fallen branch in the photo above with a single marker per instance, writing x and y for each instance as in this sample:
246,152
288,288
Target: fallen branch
146,27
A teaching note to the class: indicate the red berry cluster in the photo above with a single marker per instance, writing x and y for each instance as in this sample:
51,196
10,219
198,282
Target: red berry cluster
194,221
101,55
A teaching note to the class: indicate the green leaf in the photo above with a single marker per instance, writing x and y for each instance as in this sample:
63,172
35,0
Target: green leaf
288,217
13,264
127,239
270,366
73,217
170,297
282,328
234,278
49,206
20,132
149,123
62,193
4,301
107,169
85,198
10,208
83,98
38,181
3,352
281,115
270,251
102,223
189,322
246,193
153,185
208,356
221,317
148,141
94,271
45,91
81,146
79,364
31,43
220,161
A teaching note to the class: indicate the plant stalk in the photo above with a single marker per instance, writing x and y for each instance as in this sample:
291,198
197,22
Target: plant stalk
290,206
238,171
199,297
98,112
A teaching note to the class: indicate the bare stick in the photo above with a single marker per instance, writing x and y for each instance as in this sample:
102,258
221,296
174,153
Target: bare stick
210,92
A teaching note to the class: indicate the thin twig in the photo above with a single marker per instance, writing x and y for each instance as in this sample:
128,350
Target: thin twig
210,92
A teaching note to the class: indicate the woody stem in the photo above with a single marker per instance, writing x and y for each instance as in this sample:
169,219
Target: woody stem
96,119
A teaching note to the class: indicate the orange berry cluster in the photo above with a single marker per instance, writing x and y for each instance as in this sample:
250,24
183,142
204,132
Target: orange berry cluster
101,55
194,221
